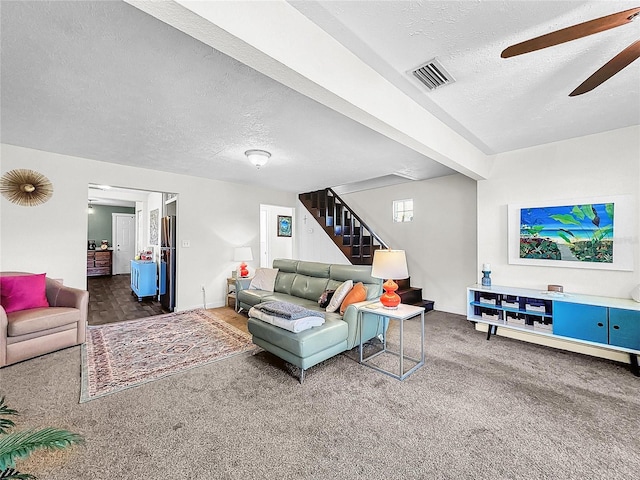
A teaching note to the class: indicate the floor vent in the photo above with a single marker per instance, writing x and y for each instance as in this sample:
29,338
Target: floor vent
433,75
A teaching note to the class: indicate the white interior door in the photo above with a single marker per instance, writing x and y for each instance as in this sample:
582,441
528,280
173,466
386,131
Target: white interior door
124,241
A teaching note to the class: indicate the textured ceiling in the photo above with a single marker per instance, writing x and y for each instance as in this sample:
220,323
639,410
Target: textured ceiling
498,104
106,81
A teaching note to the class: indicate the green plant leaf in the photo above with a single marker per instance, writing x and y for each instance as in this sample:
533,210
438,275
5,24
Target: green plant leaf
4,410
10,473
564,237
577,212
5,423
14,446
588,211
565,218
602,232
608,207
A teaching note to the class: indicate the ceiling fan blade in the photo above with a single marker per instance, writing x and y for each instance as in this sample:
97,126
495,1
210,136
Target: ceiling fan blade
572,33
609,69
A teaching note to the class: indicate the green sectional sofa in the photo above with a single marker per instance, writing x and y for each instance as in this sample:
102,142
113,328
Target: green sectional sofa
302,283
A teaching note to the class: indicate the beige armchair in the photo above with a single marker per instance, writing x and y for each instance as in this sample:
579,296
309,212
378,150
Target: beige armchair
29,333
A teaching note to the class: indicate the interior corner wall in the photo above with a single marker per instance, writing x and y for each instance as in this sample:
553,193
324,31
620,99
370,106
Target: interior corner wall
597,165
440,242
314,245
154,202
61,223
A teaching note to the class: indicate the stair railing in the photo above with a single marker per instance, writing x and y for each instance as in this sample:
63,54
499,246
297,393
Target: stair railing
353,214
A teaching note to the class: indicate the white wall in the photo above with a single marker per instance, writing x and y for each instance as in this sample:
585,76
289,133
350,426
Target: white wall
215,216
313,243
440,242
596,165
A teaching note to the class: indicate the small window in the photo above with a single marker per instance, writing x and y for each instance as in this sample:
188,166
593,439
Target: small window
403,210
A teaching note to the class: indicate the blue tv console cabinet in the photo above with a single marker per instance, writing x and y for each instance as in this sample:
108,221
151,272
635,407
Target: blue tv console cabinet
144,279
611,323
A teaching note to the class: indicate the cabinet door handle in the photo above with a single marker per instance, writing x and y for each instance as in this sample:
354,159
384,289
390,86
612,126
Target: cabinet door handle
616,327
600,324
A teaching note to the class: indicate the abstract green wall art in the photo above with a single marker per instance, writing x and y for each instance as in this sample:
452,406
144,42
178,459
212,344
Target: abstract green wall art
581,233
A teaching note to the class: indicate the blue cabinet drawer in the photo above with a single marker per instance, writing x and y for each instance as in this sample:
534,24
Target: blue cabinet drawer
585,322
624,328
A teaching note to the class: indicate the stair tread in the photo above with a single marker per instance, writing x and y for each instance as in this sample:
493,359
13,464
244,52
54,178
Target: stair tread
427,304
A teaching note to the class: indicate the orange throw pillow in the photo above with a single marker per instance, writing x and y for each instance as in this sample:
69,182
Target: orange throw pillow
357,294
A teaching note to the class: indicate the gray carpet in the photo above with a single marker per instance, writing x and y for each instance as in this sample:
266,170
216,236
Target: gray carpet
501,409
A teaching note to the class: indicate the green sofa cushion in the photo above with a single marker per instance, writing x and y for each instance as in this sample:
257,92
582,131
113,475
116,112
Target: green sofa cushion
308,287
286,265
284,281
314,269
302,344
253,297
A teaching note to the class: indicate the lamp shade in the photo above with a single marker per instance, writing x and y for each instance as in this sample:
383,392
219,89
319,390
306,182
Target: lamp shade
389,264
242,254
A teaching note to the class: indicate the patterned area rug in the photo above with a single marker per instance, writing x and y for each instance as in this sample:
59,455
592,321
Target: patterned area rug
128,354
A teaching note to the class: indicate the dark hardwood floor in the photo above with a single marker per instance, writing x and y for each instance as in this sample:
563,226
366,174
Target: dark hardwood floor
111,300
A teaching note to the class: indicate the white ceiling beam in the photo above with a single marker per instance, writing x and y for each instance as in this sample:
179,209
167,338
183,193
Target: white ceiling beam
277,40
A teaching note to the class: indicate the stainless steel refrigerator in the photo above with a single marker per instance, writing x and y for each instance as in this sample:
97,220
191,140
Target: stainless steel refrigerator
168,263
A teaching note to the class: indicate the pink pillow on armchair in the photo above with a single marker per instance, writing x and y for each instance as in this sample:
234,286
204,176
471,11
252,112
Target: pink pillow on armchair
23,292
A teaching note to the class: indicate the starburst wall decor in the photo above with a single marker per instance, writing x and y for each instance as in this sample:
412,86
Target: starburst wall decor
25,187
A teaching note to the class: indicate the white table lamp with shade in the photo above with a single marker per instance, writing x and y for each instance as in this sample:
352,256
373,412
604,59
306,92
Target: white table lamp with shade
244,255
390,265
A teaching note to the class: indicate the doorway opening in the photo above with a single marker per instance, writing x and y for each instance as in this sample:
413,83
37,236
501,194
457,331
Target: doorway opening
275,242
124,231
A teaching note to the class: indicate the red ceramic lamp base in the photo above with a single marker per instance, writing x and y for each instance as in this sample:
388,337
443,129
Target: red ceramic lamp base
390,299
243,270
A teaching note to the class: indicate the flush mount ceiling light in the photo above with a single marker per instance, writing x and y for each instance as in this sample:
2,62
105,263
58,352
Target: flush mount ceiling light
258,158
26,187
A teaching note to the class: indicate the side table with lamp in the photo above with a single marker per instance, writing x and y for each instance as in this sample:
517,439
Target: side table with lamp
243,255
390,265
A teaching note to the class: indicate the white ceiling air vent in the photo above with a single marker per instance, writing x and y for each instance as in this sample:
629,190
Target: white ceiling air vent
432,74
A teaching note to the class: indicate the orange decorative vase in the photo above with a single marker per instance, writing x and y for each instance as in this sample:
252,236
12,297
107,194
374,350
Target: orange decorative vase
243,270
390,299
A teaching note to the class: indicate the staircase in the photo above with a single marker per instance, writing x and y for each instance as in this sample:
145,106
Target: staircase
353,237
412,295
